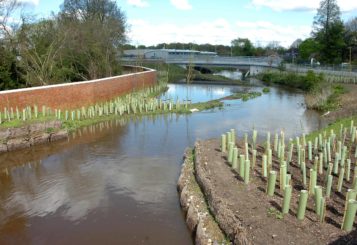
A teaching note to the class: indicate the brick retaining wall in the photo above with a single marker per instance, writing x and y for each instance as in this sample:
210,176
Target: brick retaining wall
78,94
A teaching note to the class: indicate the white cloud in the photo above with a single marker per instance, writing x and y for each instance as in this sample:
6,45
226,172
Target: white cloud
181,4
138,3
265,32
306,5
34,2
218,31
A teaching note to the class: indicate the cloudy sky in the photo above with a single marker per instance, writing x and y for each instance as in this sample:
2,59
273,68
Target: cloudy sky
214,21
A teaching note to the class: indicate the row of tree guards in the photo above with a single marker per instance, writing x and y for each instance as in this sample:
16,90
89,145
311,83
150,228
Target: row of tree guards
325,158
133,103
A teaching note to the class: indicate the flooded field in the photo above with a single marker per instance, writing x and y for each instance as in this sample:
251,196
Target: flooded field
115,182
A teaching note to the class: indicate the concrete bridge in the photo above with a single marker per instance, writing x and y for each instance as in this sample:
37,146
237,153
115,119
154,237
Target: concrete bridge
254,65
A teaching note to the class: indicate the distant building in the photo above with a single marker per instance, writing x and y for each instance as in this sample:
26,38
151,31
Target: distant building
166,53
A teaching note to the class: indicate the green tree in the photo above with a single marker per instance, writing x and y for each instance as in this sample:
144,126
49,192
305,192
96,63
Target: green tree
242,47
308,49
10,76
351,40
328,31
40,45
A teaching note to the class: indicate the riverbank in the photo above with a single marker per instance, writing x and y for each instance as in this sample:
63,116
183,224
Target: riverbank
320,95
137,104
198,217
245,212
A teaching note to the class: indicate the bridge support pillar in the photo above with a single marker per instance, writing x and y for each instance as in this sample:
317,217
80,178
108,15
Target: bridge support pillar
255,70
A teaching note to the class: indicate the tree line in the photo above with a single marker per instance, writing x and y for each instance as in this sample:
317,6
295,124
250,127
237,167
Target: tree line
85,39
332,41
238,47
81,42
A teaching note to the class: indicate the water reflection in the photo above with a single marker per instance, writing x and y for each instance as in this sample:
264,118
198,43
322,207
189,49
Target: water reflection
235,75
198,92
113,179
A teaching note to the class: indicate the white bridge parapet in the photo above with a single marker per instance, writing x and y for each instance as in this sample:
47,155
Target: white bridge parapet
269,61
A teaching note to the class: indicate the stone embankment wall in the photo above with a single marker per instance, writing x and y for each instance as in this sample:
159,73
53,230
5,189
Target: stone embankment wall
78,94
38,133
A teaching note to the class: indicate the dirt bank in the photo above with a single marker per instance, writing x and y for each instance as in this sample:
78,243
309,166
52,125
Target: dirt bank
12,139
198,218
248,216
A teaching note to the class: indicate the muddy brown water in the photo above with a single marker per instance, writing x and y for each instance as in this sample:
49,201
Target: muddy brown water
115,182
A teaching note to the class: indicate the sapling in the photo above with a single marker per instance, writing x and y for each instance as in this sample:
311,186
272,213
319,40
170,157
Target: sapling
322,209
318,195
313,180
287,198
329,185
247,171
276,138
223,142
235,158
230,152
321,164
233,136
291,148
303,170
255,134
254,158
282,174
335,165
348,170
264,166
267,143
340,179
316,145
350,215
241,165
271,183
302,204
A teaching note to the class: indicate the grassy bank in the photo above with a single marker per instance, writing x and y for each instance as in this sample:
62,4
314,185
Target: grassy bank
139,103
307,83
335,126
319,94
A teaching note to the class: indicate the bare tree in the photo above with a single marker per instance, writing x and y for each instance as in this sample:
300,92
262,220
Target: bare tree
7,7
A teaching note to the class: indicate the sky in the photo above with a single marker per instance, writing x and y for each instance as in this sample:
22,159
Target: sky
213,21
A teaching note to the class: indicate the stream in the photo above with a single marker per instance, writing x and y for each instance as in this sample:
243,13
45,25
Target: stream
115,182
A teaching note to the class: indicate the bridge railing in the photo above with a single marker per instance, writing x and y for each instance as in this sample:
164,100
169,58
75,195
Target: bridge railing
337,70
265,61
268,61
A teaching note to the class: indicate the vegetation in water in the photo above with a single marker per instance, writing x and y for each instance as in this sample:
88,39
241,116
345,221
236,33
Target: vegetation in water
243,96
266,90
308,83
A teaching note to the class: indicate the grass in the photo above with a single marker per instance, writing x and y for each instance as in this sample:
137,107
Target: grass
266,90
335,126
207,105
273,212
243,96
15,123
319,94
307,83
